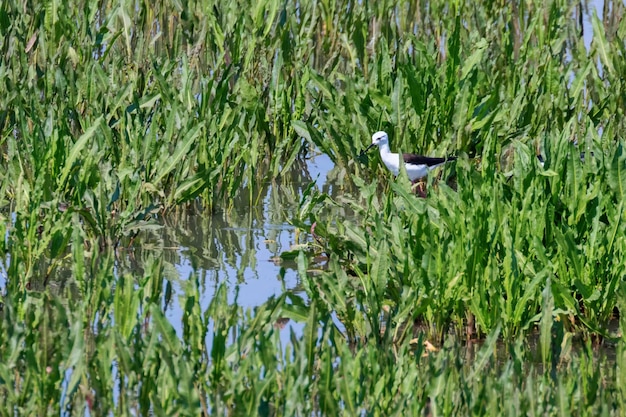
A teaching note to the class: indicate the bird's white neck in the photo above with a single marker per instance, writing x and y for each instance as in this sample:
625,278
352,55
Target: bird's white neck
384,148
390,159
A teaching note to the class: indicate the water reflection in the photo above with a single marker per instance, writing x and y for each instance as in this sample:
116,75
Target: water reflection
237,245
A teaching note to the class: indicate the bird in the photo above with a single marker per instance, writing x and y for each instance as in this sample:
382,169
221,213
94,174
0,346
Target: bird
417,166
542,161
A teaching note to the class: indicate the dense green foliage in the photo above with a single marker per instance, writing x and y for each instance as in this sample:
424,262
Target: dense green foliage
114,113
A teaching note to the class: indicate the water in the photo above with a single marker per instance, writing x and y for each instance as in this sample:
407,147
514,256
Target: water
598,7
240,247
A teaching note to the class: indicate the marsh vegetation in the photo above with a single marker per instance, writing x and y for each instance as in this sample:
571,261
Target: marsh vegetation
498,294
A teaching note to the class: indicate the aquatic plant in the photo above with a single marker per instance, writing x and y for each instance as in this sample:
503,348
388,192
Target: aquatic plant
115,114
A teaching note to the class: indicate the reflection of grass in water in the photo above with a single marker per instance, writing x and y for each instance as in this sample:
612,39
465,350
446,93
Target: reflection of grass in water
117,114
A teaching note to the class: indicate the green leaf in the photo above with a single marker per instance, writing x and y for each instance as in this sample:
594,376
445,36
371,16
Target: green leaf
310,340
474,59
77,149
301,129
545,334
486,353
600,41
181,151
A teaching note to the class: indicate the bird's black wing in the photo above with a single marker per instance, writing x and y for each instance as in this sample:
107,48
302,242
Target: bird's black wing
410,158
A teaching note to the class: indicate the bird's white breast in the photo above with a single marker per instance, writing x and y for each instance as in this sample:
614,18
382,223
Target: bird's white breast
391,161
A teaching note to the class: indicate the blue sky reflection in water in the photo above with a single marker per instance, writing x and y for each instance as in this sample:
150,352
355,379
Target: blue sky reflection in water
238,247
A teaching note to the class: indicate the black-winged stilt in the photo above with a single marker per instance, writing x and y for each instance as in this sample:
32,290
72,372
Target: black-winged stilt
417,166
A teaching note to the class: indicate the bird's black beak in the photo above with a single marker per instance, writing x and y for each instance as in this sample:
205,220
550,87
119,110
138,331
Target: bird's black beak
367,149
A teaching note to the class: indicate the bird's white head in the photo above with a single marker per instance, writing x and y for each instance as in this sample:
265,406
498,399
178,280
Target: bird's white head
380,138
